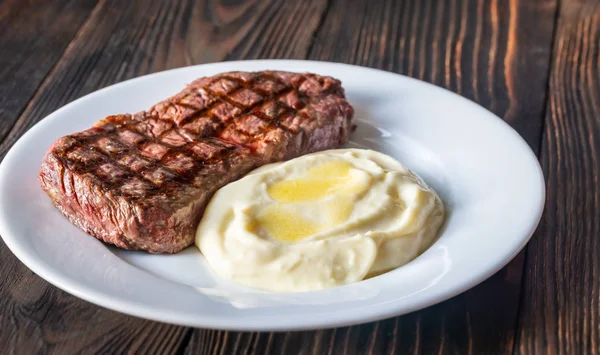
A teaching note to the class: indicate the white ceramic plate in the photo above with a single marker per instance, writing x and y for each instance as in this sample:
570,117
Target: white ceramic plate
486,174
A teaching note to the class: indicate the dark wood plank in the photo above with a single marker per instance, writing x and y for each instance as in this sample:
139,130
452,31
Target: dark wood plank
113,47
117,42
124,39
478,57
477,49
560,312
33,36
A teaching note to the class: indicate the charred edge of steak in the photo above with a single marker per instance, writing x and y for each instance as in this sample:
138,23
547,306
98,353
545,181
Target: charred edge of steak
142,181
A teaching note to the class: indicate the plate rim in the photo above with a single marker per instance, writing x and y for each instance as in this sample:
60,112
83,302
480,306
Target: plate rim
106,300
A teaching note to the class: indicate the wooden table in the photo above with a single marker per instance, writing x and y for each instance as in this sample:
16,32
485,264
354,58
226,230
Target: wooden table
533,62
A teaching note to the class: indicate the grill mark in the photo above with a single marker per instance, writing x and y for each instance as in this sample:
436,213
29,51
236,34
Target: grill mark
183,104
198,162
187,177
216,97
199,113
267,97
277,80
246,110
110,130
249,85
113,159
277,120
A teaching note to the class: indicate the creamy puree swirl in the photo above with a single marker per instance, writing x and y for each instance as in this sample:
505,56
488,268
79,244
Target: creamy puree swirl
318,221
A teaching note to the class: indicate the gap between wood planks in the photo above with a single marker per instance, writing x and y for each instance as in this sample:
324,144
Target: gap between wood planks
561,287
517,326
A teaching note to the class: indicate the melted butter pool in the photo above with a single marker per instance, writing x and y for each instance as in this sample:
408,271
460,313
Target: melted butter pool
331,188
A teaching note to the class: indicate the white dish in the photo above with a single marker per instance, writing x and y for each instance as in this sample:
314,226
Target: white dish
486,174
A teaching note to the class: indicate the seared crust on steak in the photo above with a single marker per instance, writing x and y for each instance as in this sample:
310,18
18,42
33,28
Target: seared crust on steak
142,181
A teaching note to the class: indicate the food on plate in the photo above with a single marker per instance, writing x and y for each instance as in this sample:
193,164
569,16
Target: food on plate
319,221
142,181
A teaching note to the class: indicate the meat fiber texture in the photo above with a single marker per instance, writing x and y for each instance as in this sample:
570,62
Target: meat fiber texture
142,181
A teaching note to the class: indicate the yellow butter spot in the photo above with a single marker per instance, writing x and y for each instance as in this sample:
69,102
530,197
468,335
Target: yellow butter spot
284,225
320,181
334,179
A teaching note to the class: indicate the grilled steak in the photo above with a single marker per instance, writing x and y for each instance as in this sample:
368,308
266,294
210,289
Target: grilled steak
142,181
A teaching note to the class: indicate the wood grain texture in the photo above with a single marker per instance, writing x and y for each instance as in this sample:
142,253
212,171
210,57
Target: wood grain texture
121,40
33,36
560,311
118,41
481,50
472,48
495,52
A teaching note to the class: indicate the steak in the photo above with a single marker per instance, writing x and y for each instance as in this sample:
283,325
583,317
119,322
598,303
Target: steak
141,181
